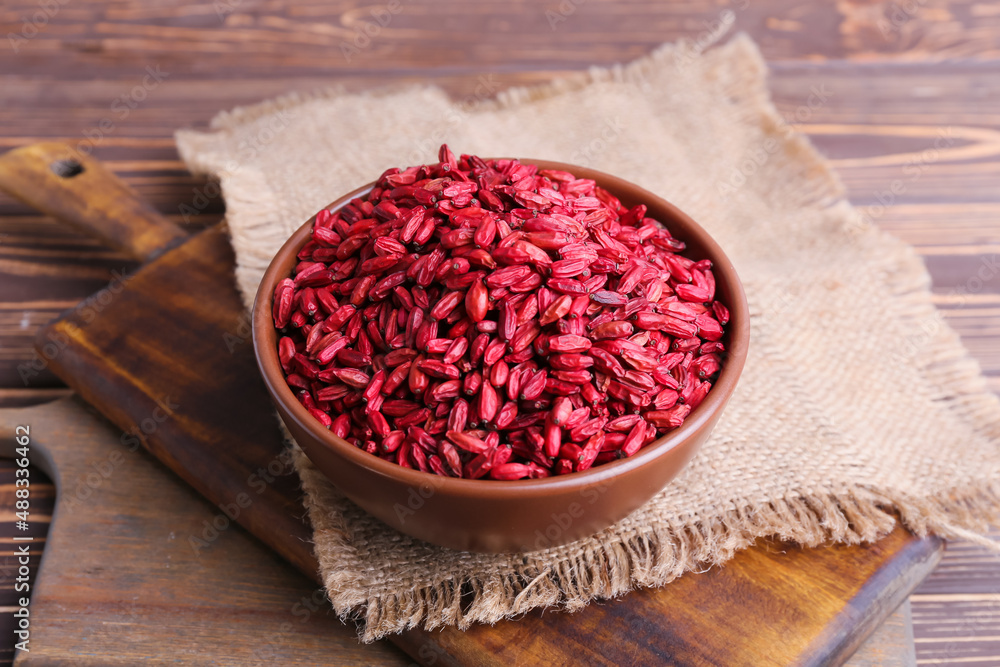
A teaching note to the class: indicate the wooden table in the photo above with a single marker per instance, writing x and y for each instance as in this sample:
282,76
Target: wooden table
121,77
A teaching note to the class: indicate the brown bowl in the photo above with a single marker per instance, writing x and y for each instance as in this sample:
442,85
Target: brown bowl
510,516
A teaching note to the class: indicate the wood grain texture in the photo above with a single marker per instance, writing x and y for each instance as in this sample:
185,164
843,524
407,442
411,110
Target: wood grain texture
240,36
891,645
956,611
784,584
169,360
122,584
896,72
205,601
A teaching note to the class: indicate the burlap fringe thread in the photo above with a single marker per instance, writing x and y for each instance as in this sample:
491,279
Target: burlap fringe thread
642,560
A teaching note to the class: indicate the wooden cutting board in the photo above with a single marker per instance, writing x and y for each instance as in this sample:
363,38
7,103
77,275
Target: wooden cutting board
122,584
166,356
121,581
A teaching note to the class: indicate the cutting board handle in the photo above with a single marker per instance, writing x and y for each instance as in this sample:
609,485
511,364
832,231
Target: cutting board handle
66,184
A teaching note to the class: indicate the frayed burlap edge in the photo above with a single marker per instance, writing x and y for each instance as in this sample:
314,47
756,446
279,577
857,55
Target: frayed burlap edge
653,558
846,515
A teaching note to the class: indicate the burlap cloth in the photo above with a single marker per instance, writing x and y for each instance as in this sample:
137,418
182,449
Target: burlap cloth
857,400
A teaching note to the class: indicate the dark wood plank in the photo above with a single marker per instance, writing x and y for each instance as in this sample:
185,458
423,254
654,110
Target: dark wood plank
121,583
956,611
275,39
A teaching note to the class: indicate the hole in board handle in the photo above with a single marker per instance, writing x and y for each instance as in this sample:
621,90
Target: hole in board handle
67,168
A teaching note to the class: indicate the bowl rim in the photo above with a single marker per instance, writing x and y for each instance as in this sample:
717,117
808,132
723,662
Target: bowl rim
265,338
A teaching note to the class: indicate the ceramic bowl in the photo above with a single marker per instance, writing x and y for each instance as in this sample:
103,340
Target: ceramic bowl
510,516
